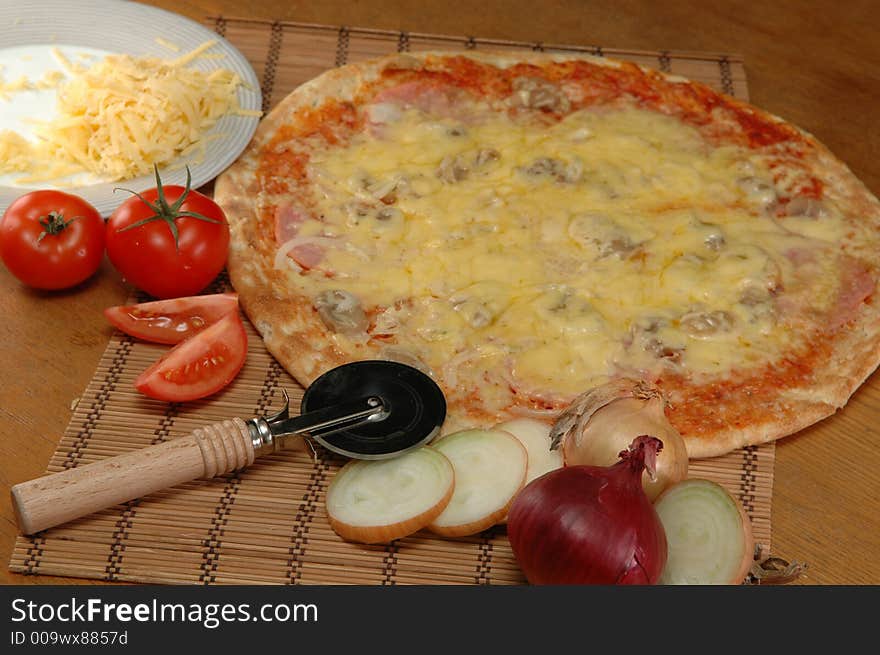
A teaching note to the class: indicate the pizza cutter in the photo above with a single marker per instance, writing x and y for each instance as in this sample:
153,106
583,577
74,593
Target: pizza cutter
371,409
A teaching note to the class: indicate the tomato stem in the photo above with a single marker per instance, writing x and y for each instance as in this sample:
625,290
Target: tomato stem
162,211
54,223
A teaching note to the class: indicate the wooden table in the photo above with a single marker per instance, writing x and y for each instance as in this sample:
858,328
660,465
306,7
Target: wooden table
814,63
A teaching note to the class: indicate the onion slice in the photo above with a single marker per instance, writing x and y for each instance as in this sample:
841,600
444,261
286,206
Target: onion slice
490,468
535,436
378,501
709,536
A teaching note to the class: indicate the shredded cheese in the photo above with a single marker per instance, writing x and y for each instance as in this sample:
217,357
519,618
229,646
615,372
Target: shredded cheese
21,83
167,44
120,116
64,62
14,152
49,80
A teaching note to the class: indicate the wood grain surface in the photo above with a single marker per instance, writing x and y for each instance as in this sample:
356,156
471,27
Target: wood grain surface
815,63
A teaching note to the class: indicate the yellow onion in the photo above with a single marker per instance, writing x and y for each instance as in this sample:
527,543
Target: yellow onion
602,422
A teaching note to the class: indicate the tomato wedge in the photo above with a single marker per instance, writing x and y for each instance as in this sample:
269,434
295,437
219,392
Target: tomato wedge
199,366
171,321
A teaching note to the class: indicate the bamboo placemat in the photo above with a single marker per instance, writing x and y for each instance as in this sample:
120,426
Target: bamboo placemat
267,524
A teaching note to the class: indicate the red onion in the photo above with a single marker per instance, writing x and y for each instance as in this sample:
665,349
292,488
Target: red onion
590,524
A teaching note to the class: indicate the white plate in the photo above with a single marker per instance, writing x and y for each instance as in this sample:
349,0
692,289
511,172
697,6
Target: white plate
28,32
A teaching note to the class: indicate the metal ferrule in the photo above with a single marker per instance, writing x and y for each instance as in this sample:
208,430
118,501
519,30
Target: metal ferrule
261,437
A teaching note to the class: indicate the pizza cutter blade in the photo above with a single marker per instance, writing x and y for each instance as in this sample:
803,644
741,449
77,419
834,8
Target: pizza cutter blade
371,409
368,410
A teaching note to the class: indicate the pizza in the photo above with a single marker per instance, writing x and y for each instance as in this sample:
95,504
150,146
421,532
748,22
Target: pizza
527,226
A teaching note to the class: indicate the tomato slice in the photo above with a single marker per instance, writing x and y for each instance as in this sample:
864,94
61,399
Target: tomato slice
199,366
171,321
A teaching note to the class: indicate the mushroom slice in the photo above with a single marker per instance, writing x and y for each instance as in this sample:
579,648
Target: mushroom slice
538,93
758,191
487,155
481,303
806,207
601,235
341,311
702,325
453,168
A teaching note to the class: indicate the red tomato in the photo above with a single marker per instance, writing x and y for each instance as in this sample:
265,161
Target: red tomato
168,241
51,239
199,366
171,321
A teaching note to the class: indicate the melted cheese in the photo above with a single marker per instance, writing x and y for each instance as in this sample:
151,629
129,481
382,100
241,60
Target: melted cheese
610,241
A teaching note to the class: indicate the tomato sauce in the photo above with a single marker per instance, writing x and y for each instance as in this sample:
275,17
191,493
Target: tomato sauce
332,123
747,398
693,102
811,188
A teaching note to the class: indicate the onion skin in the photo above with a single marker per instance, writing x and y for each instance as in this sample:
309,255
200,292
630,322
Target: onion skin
589,524
603,421
749,551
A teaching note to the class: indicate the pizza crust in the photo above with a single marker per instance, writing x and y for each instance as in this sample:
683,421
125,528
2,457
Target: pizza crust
297,338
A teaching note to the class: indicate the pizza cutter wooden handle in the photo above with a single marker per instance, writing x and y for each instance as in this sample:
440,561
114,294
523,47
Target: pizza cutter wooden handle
60,497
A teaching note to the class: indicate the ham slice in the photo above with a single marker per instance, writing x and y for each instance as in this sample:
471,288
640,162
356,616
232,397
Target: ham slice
288,221
425,96
857,284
